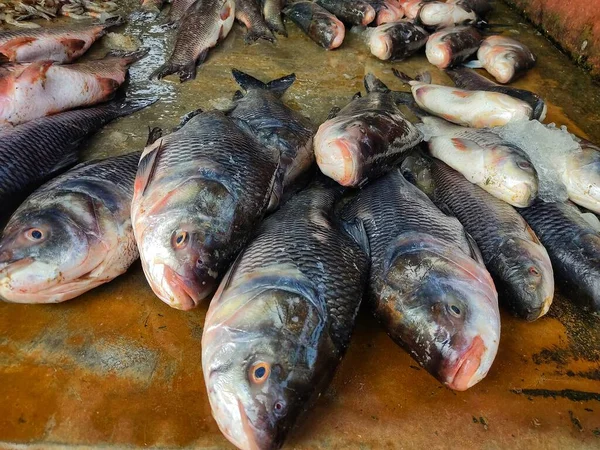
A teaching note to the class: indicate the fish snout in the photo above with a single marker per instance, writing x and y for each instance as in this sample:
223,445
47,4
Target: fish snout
381,47
337,160
468,366
369,15
185,293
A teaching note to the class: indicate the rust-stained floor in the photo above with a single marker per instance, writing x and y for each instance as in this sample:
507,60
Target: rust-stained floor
117,368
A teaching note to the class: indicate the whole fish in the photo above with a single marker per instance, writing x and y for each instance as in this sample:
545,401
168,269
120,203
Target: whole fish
466,78
366,138
452,46
281,321
199,194
60,44
178,10
574,249
427,290
261,113
272,13
478,109
33,152
43,88
387,11
71,235
152,5
481,7
248,13
204,23
317,23
485,159
354,12
505,58
581,175
396,41
516,259
439,14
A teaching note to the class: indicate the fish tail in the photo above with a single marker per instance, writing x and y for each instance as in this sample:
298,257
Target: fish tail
129,57
254,34
186,71
277,26
126,106
374,84
277,86
424,77
114,21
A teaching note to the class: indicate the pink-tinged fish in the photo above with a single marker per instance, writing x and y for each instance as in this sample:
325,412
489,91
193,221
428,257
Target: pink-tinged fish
411,8
451,46
60,44
30,91
387,11
504,58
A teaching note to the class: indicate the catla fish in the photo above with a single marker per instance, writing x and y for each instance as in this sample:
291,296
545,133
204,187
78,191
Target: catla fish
354,12
516,259
317,23
262,114
397,40
71,235
505,58
451,46
60,44
281,321
205,23
199,194
365,138
42,88
428,287
248,13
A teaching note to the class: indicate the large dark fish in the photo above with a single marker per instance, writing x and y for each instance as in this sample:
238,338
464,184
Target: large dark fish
354,12
280,323
396,40
272,14
248,13
466,78
261,112
201,27
317,23
60,44
366,138
71,235
511,251
430,294
199,194
451,46
506,59
33,152
574,249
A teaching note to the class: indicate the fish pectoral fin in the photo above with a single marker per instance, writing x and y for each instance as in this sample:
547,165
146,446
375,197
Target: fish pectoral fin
474,64
147,167
333,112
153,135
356,230
108,86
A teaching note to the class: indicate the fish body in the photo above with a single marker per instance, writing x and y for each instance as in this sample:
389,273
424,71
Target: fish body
272,13
262,113
366,138
427,290
204,23
451,46
439,14
60,44
199,194
43,88
387,11
506,59
317,23
31,152
71,235
466,78
354,12
482,157
511,251
397,41
574,249
281,321
178,9
249,14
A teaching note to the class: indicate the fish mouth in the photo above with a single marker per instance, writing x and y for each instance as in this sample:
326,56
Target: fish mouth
8,266
338,161
468,366
339,31
381,47
369,16
184,295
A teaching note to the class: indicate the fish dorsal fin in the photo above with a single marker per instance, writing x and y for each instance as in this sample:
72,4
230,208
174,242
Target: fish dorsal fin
147,167
356,230
153,135
374,84
333,112
186,118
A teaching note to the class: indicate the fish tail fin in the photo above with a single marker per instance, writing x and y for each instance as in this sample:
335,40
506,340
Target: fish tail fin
129,57
374,84
254,34
424,77
277,86
126,106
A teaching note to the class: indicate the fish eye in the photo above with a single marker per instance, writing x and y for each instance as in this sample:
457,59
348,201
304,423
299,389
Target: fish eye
34,234
259,372
279,407
534,271
180,239
525,165
454,310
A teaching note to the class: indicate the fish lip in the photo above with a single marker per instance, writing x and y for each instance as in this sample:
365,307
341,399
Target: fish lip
185,297
339,149
464,370
9,266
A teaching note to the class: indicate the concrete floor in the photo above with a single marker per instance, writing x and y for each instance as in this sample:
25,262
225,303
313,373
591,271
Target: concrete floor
116,368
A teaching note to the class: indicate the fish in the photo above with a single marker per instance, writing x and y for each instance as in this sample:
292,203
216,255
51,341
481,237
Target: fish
477,109
574,248
59,44
42,88
249,14
387,11
485,159
178,10
506,59
203,25
317,23
261,113
397,40
354,12
71,235
481,7
428,286
366,138
200,192
581,175
272,13
152,5
514,256
452,46
466,78
281,321
35,151
439,14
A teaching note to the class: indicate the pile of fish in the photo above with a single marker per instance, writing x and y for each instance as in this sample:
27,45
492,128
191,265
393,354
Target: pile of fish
19,13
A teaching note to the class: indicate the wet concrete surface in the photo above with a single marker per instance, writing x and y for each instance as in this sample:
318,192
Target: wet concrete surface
117,368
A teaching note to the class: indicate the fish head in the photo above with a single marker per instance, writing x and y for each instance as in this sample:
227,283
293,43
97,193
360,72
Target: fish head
581,176
527,274
390,11
380,43
262,358
513,173
443,306
183,241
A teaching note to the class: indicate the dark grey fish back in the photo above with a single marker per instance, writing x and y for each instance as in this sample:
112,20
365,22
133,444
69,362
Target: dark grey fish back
555,222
